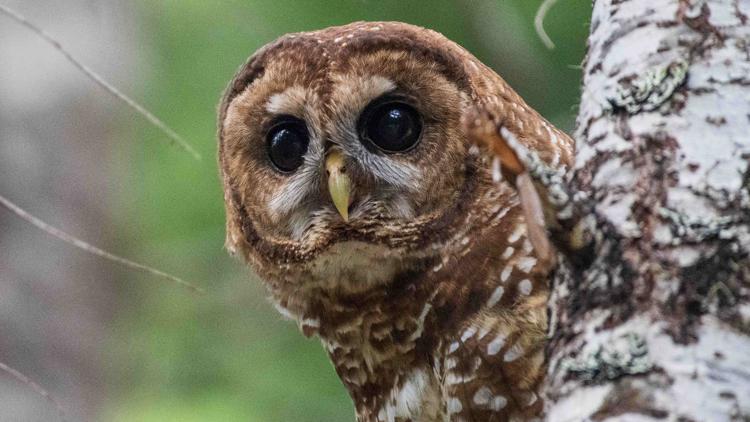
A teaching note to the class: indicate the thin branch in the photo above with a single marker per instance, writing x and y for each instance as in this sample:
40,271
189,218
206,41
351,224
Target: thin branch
78,243
91,74
541,13
36,387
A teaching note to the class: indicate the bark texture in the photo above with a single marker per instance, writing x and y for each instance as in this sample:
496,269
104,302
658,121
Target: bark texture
653,323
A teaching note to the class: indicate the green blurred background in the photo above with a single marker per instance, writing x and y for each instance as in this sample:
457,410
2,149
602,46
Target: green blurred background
227,355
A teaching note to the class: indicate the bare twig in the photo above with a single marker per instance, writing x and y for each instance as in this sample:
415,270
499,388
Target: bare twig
36,387
173,136
78,243
541,13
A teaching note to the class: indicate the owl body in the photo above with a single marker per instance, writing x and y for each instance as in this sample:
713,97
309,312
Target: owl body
354,193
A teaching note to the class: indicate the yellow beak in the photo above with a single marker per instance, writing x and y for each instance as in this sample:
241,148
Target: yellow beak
339,183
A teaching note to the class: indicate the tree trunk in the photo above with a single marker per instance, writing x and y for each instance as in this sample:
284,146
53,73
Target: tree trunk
653,322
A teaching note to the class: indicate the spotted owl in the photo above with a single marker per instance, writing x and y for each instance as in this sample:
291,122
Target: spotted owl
355,194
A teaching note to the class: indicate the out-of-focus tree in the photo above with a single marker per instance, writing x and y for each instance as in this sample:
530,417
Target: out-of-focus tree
56,136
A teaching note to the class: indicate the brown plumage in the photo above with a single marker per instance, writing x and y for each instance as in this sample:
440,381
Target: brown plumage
354,192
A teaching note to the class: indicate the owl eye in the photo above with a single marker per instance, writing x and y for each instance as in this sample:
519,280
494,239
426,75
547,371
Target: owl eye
287,144
390,125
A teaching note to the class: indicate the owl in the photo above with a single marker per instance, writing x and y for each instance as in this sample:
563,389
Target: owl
354,192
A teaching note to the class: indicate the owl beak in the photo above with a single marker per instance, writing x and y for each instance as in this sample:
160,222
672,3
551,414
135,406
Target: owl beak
339,183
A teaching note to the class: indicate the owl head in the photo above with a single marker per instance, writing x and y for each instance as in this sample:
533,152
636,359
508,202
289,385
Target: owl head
342,152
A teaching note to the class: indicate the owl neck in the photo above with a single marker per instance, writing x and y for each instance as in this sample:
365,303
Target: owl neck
377,338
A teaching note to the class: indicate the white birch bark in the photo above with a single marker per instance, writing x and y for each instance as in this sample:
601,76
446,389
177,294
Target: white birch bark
655,325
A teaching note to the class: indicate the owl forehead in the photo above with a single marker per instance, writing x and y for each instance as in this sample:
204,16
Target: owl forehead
289,85
397,51
352,91
342,48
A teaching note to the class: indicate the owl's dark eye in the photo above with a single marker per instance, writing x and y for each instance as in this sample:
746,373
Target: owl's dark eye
390,125
287,144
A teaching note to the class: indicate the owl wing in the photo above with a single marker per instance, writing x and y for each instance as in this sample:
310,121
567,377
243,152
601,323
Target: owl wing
492,372
525,150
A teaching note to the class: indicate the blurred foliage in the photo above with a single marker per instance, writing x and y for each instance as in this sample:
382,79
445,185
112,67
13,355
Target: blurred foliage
227,355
